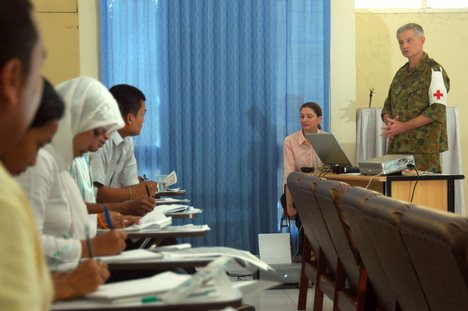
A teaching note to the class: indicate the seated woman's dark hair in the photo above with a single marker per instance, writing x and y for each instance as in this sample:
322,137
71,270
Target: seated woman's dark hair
51,107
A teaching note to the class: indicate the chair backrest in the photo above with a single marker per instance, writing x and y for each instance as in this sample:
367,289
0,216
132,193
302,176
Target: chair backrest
302,189
382,218
329,194
353,202
437,244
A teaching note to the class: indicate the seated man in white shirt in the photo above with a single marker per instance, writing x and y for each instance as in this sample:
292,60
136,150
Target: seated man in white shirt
114,167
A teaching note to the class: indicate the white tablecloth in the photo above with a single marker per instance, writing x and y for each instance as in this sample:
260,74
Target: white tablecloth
370,144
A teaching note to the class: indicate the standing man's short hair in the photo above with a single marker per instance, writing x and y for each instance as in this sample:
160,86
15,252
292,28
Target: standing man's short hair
18,33
418,30
128,97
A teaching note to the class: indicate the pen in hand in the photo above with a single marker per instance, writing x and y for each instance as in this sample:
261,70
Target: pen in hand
108,218
89,243
147,190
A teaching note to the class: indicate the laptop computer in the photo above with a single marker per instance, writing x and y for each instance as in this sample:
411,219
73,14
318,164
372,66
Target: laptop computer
328,149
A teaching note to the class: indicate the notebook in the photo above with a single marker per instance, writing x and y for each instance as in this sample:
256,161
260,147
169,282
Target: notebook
328,149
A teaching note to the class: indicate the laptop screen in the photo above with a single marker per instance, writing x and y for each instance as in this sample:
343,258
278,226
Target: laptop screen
328,149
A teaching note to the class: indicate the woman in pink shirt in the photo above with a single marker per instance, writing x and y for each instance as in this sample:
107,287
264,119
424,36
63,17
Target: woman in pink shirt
298,152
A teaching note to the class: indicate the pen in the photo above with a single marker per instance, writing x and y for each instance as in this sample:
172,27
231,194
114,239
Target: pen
88,242
147,190
108,218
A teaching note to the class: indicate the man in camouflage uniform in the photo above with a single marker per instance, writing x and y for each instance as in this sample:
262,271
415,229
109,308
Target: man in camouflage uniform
414,111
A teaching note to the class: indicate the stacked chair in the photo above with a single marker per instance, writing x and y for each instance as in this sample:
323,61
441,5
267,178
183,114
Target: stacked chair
302,188
437,244
351,276
377,253
382,218
338,272
353,202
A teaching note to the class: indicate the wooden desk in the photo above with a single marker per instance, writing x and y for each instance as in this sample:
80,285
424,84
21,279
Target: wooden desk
435,191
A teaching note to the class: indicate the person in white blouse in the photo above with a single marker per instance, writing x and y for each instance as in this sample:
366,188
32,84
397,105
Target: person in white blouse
59,210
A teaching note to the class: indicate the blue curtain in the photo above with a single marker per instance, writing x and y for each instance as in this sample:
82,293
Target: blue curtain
224,80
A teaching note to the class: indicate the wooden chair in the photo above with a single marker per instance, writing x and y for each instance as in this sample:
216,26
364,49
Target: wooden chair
323,272
382,217
353,202
351,281
437,245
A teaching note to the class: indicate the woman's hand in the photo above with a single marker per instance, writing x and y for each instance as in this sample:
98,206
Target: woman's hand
122,221
83,280
106,244
137,207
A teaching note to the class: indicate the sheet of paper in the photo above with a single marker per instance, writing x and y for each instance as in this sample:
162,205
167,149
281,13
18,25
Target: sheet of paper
244,257
141,287
153,220
171,179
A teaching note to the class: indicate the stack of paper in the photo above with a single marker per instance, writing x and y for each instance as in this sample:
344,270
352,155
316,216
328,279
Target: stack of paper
153,220
169,200
177,208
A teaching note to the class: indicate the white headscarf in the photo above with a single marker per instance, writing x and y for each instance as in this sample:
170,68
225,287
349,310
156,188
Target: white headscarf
88,105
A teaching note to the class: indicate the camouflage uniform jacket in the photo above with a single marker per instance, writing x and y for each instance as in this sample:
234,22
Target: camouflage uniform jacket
408,98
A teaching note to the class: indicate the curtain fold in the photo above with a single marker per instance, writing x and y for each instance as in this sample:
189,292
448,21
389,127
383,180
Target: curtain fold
224,80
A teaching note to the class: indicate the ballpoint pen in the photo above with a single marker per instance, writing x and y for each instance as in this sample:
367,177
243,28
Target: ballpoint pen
147,190
108,218
89,243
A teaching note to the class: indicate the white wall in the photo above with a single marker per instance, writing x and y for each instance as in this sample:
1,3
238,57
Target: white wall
89,37
343,75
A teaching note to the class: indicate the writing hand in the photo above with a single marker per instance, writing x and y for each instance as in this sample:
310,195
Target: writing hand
138,207
83,280
109,243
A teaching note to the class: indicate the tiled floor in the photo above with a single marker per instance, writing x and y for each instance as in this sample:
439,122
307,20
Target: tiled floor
284,299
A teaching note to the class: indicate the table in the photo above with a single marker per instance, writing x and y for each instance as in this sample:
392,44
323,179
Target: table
169,193
435,191
370,144
168,232
160,264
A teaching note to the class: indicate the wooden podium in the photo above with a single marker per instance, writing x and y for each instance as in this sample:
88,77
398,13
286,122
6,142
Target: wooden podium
435,191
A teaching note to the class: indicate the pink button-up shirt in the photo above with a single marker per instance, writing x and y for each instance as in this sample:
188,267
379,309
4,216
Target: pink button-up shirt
298,152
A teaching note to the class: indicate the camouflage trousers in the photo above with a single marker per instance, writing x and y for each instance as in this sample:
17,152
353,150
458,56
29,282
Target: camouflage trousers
428,162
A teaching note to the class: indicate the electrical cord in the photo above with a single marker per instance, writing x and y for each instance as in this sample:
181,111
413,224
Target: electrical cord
372,177
411,166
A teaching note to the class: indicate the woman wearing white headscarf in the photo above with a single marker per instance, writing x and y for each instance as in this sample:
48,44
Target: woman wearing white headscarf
60,213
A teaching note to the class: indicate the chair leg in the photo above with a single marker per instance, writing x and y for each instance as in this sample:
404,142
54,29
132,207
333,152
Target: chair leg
303,283
340,283
318,295
362,290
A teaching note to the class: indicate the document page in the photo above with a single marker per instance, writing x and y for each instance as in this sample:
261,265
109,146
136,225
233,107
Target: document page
153,220
244,257
142,287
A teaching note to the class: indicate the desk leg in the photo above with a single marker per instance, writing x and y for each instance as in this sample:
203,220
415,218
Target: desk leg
388,188
451,195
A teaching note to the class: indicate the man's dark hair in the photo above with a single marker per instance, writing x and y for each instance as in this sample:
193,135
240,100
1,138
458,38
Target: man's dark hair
128,97
51,107
17,32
